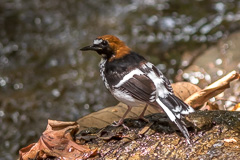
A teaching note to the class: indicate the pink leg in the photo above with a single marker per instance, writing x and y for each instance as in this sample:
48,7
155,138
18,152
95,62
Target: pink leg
120,122
141,116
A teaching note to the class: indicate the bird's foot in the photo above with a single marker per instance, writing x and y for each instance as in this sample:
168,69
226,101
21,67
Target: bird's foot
116,124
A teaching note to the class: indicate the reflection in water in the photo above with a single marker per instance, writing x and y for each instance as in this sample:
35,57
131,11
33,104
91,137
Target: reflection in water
44,76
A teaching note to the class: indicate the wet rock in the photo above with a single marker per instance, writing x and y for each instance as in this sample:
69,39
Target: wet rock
214,134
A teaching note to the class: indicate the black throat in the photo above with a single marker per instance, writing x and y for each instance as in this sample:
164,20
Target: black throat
106,53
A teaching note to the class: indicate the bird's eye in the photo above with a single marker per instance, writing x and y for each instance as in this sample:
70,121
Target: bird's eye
104,42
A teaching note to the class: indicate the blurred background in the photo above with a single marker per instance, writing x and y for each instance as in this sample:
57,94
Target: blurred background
43,75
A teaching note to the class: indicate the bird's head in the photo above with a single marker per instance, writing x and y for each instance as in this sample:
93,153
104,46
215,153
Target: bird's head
109,47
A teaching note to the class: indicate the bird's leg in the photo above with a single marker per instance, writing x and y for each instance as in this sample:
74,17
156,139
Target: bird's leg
141,116
120,122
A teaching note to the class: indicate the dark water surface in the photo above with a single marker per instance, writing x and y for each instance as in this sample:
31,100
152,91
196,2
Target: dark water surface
43,75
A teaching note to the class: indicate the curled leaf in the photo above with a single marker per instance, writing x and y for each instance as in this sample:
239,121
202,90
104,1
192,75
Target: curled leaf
56,141
200,97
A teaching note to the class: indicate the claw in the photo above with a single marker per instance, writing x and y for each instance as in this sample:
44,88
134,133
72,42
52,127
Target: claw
116,124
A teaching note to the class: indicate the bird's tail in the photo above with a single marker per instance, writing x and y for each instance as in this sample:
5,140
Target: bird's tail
175,108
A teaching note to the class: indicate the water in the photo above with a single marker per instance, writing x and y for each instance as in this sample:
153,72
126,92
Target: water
43,75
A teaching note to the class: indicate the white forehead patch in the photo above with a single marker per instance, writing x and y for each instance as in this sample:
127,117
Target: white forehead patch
97,41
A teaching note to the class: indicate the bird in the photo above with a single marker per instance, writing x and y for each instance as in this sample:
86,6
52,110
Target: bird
133,80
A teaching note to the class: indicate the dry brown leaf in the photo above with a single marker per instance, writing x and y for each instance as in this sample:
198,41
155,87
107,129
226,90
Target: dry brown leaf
200,97
56,141
184,89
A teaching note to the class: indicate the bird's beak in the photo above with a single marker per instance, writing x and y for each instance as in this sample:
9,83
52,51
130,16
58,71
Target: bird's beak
92,48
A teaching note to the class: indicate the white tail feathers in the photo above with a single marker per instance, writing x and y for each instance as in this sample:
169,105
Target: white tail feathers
175,118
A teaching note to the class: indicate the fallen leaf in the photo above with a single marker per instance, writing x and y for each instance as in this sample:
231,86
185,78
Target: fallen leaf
184,89
56,141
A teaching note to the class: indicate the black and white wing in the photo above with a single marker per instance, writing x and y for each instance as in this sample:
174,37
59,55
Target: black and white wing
135,83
